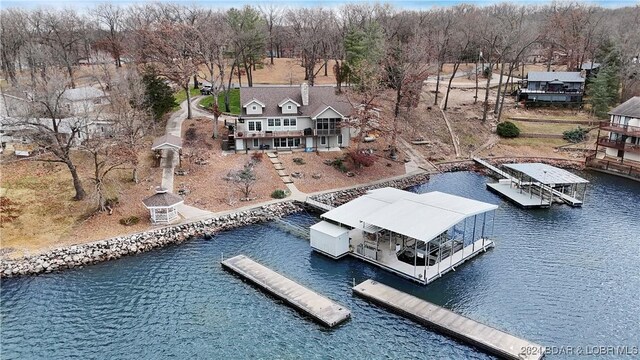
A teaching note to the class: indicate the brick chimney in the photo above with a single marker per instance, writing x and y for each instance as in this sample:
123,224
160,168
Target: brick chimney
304,92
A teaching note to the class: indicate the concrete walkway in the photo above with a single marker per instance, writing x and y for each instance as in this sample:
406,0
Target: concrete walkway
171,158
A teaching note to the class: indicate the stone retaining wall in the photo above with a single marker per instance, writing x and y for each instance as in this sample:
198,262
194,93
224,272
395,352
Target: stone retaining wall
470,165
95,252
338,198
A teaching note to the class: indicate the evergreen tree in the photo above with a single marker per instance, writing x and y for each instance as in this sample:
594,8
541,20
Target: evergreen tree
158,95
604,91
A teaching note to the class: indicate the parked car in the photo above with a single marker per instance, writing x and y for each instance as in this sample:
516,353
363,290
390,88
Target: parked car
205,90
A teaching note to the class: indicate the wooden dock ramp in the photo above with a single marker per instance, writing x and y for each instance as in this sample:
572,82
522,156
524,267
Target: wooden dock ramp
301,298
460,327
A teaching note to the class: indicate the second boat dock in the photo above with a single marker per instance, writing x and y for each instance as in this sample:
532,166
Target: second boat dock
460,327
322,309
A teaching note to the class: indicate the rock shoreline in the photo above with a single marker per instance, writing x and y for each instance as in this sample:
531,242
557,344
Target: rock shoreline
117,247
340,197
114,248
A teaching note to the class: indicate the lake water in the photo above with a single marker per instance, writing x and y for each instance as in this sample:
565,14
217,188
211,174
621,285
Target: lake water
559,277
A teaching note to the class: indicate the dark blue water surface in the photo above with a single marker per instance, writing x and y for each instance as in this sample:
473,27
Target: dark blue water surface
559,277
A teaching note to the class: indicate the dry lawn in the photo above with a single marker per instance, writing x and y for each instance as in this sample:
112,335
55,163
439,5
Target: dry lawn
207,166
331,177
49,217
284,71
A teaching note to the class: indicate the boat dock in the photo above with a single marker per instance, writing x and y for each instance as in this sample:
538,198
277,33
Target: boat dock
462,328
536,185
301,298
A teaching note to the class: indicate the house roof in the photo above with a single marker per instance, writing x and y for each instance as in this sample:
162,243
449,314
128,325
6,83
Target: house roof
162,199
271,96
286,101
166,141
322,108
83,93
564,76
254,100
589,65
630,108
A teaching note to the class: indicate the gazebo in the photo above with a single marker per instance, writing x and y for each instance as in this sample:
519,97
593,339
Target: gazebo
163,206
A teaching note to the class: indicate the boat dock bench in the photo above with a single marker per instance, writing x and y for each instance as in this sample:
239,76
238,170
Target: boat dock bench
460,327
301,298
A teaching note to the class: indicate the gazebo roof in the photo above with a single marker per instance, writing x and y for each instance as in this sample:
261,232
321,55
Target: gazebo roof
162,199
167,141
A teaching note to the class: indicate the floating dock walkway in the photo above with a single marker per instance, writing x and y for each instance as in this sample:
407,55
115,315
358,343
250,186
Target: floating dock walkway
485,337
305,300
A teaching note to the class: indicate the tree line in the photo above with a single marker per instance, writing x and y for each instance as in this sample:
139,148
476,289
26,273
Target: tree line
373,49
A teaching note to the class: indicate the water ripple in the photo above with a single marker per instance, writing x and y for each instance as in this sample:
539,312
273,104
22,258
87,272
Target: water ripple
558,277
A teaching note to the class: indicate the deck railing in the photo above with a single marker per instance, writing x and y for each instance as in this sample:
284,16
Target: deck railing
613,166
268,134
620,128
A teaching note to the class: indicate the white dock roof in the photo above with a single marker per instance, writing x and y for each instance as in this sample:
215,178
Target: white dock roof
427,215
420,216
352,212
547,174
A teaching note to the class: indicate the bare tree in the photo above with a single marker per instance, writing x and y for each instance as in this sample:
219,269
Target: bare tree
111,18
309,28
213,39
13,37
244,179
272,15
172,49
51,126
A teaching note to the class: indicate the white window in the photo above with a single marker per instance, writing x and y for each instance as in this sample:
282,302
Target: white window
288,107
253,107
286,142
254,125
340,140
255,143
323,140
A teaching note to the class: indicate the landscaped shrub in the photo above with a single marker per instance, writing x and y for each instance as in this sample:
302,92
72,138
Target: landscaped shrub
507,129
191,134
576,135
338,163
256,157
278,194
360,158
111,202
298,161
131,220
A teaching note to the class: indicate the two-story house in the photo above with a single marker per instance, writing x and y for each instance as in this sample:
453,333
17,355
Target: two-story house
292,117
623,141
555,87
83,100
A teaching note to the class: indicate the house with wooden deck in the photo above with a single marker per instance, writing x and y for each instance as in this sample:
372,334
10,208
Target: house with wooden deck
618,150
291,117
560,87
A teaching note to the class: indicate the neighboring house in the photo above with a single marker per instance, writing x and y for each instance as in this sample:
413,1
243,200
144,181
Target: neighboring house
590,68
623,141
84,100
553,87
291,117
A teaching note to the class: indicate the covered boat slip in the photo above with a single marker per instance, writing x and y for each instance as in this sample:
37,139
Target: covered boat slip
417,236
548,182
537,185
